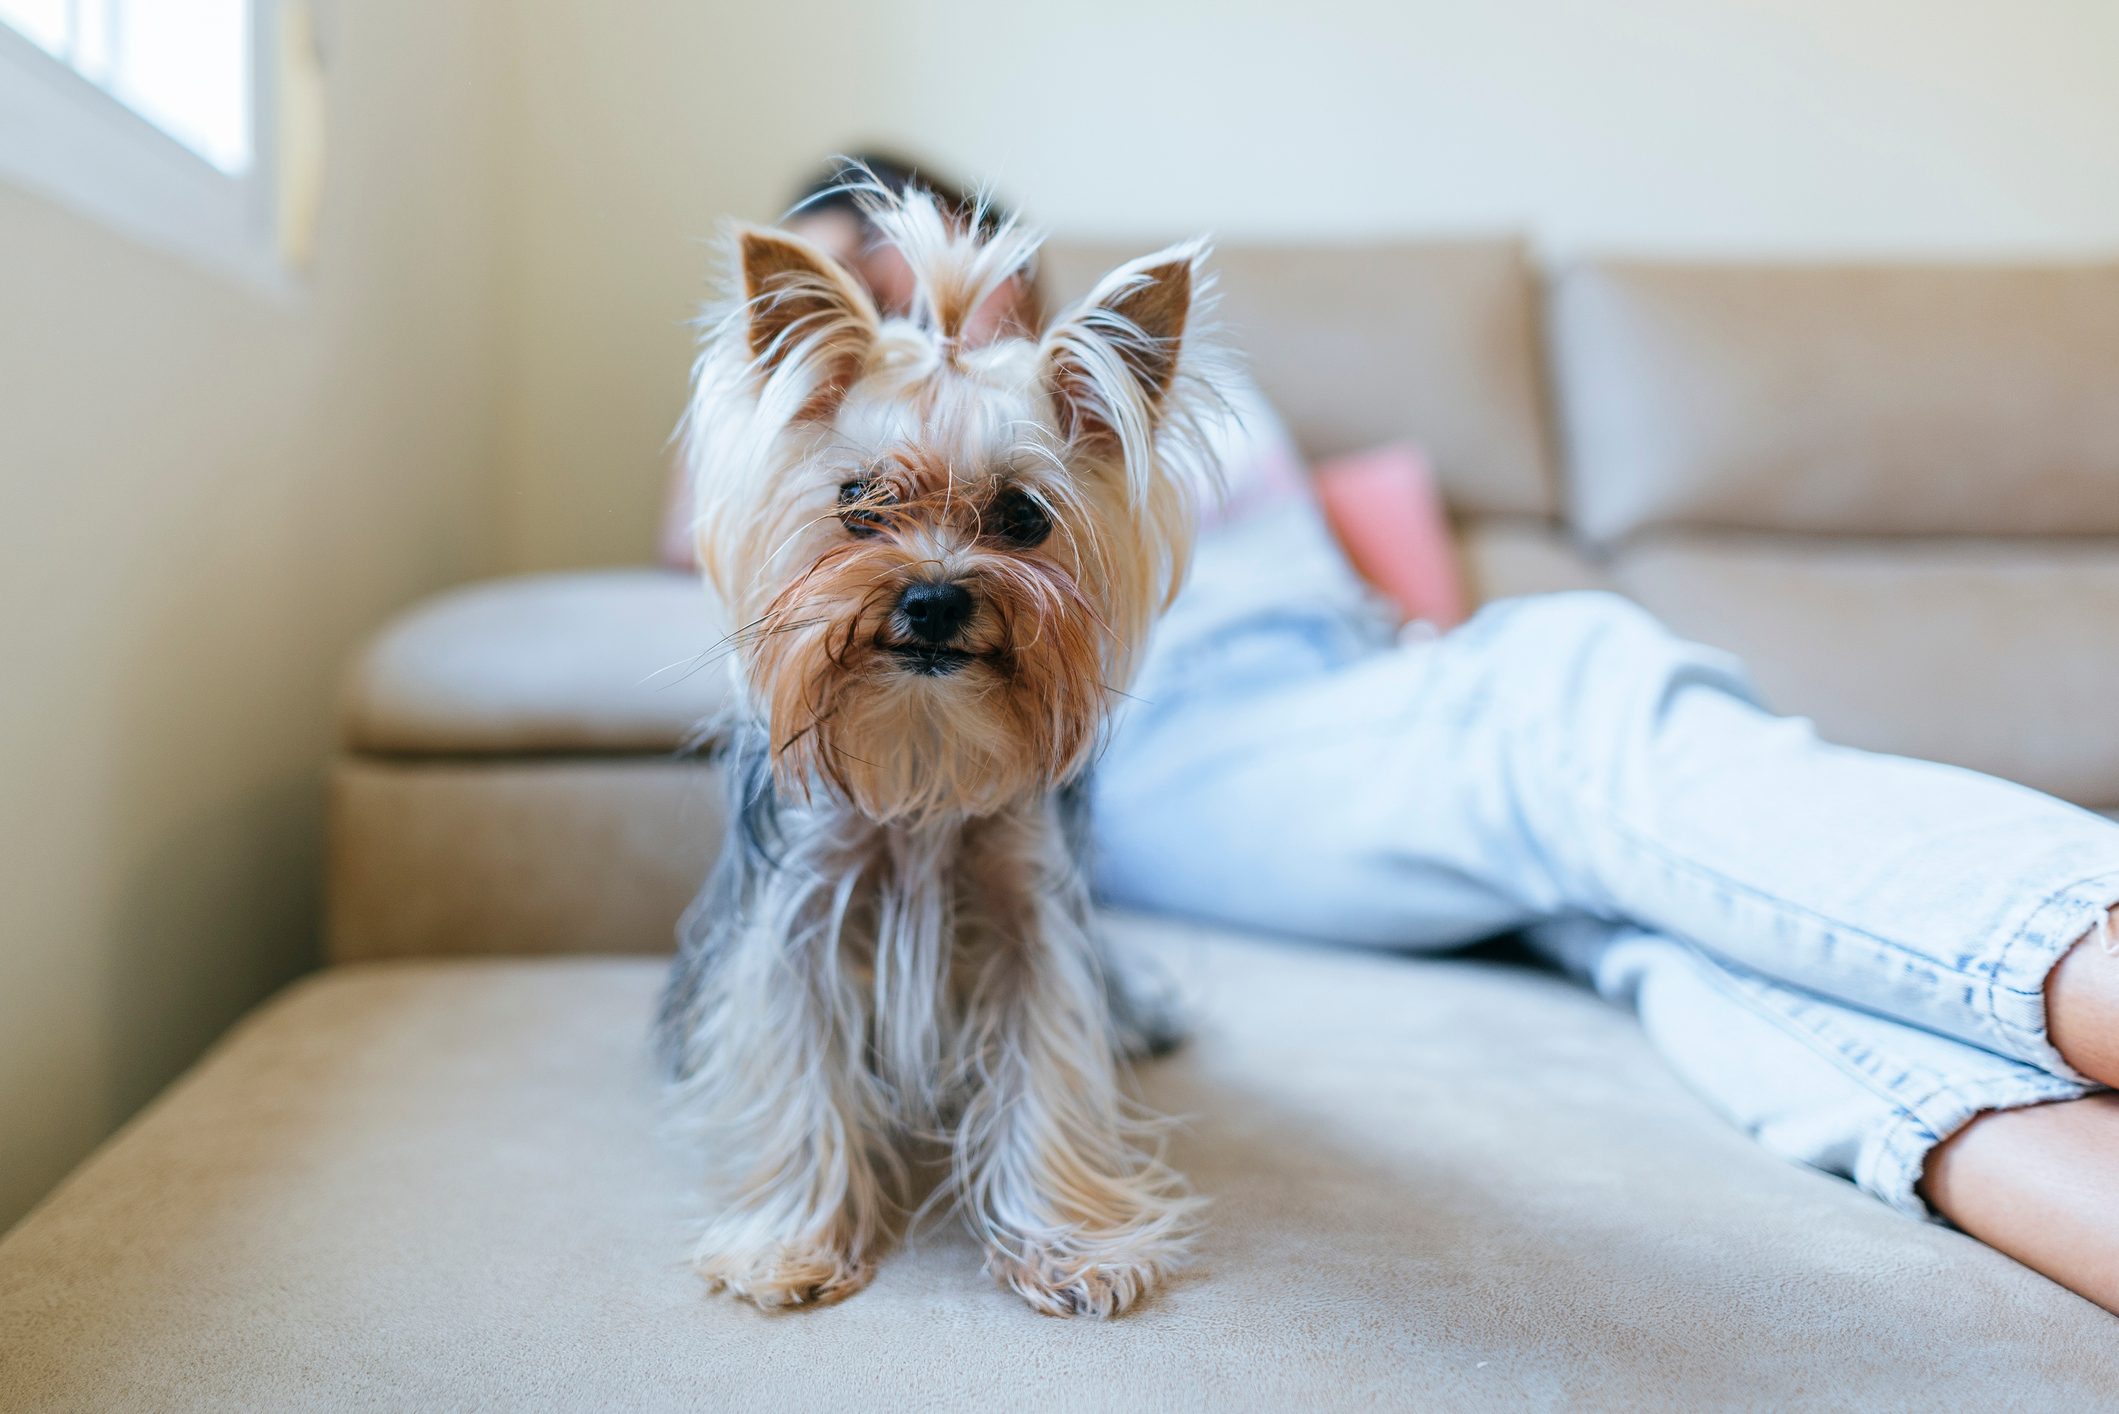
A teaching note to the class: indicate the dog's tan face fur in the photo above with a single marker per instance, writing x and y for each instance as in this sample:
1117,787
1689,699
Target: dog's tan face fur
844,459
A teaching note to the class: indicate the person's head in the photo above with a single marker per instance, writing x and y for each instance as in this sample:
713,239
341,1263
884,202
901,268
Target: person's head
834,210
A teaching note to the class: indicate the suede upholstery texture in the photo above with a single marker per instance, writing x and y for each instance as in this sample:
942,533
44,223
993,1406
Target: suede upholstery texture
1434,342
1434,1184
545,665
566,855
1877,400
428,1177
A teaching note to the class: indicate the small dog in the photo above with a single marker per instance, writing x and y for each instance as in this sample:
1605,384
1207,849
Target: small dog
938,564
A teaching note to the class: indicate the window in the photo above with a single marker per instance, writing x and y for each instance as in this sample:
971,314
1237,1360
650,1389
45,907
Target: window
184,65
158,118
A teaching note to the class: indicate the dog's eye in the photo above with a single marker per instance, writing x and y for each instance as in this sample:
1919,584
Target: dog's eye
859,503
1017,518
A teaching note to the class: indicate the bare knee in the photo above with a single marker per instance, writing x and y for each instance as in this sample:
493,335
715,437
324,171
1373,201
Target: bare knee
2082,1004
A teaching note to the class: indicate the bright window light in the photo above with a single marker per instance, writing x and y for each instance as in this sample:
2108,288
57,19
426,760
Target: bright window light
184,65
48,23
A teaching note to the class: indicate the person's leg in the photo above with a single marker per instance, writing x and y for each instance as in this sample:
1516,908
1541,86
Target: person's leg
1244,785
2033,1173
2082,1004
2040,1184
1567,755
1927,893
1816,1081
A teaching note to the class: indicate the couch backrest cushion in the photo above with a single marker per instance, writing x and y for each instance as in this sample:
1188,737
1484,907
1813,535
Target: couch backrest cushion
1976,653
613,662
1841,399
1434,342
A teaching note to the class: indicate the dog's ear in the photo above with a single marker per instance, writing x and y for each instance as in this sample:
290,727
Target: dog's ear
804,312
1111,362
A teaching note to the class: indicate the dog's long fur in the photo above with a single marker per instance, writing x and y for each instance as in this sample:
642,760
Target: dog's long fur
897,946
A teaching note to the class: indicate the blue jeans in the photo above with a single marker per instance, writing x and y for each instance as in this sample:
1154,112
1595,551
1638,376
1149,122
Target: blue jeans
1844,952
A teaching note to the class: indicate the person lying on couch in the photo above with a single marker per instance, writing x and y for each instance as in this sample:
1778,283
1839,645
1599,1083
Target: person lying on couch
1902,973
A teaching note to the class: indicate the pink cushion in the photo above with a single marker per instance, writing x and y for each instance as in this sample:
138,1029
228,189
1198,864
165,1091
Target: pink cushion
1388,514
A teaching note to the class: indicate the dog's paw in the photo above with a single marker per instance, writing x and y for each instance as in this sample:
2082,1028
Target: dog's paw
1099,1289
1148,1022
786,1277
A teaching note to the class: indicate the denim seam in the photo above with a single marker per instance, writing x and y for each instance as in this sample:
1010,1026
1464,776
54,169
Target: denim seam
1913,1131
1829,1033
2094,895
1987,982
1600,800
2082,893
1909,1139
1839,927
1753,997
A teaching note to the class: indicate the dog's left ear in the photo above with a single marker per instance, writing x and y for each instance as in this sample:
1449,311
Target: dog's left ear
803,308
1110,363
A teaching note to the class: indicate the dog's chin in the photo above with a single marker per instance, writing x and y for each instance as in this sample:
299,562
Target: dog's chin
908,731
923,660
914,735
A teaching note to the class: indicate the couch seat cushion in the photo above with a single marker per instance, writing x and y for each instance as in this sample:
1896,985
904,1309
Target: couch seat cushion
608,661
1446,1183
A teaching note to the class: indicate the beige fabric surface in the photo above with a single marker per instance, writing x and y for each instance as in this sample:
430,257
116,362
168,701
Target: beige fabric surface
1432,341
1504,556
1998,656
1895,399
1434,1184
524,856
611,661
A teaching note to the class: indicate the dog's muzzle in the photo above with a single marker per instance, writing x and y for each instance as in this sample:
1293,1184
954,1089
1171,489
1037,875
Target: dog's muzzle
934,614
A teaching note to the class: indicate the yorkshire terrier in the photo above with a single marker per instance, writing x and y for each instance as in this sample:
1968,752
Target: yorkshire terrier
936,560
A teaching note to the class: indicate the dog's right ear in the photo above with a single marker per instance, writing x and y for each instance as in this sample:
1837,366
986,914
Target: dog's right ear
805,314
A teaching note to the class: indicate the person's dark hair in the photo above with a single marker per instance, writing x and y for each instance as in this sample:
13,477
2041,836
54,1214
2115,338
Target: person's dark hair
836,188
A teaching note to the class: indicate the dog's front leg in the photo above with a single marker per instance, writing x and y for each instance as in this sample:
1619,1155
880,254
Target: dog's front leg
1078,1215
770,1080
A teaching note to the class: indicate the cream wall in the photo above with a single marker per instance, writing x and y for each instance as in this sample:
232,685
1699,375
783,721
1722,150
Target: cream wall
1672,125
208,497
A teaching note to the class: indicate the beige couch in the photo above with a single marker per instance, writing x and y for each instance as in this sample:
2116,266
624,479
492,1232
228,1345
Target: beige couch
427,1176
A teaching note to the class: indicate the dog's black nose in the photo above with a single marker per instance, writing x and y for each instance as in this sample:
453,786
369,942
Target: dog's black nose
934,612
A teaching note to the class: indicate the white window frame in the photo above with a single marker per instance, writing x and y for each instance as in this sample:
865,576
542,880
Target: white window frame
67,139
